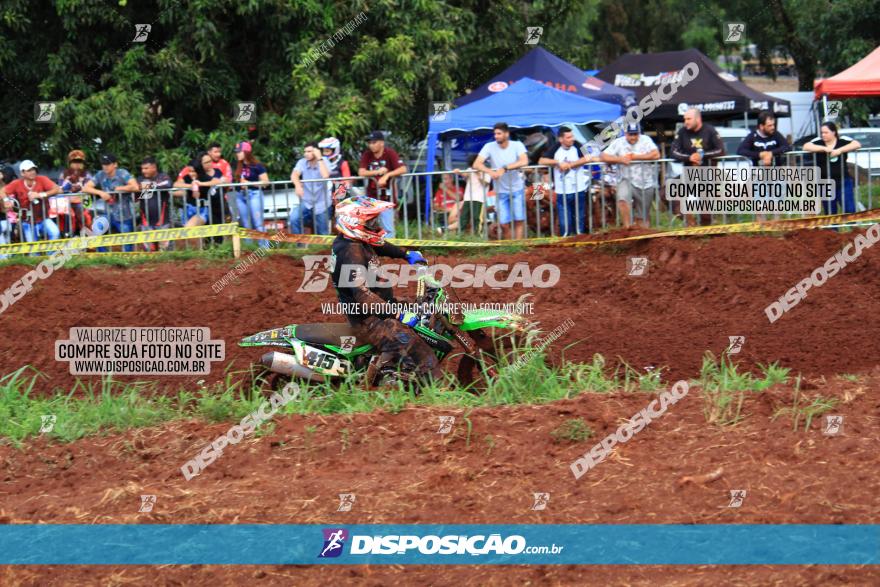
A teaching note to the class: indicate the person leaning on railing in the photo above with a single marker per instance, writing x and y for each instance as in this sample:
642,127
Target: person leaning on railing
72,180
200,184
32,191
638,183
117,207
249,197
764,145
506,157
156,206
830,151
381,162
570,181
472,212
314,195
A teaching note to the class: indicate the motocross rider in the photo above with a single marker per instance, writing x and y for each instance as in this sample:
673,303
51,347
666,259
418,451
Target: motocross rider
360,243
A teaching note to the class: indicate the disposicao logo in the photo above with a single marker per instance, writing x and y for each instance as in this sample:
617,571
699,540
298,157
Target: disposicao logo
334,540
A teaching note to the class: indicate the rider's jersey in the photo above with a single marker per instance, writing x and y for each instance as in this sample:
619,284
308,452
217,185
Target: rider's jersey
350,255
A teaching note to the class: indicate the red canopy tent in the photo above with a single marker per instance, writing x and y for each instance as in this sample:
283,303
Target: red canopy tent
862,79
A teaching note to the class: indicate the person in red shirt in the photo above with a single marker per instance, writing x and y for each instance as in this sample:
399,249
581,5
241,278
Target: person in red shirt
217,162
381,162
32,191
219,207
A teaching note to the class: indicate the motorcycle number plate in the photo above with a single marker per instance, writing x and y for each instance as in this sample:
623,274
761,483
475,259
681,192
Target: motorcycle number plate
322,361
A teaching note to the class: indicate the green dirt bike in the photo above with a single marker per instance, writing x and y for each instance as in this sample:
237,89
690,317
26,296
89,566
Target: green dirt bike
322,352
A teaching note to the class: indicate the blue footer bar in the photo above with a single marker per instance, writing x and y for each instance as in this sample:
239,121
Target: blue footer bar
595,544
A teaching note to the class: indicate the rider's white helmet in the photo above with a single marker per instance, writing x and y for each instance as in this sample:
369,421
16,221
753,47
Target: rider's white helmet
331,143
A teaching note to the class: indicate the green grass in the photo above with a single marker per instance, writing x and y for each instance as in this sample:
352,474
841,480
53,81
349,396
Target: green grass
110,405
724,388
574,430
869,197
98,407
806,411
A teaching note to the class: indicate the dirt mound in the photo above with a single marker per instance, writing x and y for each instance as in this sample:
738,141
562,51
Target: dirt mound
696,293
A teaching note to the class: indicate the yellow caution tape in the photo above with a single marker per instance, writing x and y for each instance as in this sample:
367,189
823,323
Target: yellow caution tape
125,238
171,234
555,241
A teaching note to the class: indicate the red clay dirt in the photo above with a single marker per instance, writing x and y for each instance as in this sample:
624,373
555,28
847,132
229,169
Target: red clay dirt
678,470
697,293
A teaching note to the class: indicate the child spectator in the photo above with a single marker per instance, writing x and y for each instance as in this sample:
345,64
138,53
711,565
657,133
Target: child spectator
446,200
472,207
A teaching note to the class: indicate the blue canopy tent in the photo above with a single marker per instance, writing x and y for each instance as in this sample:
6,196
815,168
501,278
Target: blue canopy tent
526,104
545,67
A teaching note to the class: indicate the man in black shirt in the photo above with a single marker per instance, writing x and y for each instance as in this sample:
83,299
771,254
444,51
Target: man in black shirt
697,144
765,145
155,205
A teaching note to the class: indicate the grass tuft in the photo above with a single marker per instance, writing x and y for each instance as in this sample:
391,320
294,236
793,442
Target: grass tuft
574,430
724,388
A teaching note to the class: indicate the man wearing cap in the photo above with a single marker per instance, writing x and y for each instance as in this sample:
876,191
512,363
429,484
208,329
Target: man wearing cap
638,182
381,162
72,180
32,191
313,208
118,208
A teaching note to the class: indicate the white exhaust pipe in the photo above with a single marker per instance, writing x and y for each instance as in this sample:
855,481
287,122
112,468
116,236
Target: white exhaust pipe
287,365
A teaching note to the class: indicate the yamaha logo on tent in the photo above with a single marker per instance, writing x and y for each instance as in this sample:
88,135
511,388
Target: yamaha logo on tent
497,86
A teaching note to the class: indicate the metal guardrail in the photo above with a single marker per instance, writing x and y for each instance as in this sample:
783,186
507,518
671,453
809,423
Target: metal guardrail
422,212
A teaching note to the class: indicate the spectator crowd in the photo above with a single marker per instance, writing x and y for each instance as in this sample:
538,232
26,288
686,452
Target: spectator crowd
580,181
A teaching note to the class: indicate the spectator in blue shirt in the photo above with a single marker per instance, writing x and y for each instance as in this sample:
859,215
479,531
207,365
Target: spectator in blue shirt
118,207
313,207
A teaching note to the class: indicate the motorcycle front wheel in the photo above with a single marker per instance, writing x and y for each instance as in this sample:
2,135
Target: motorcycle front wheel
497,348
